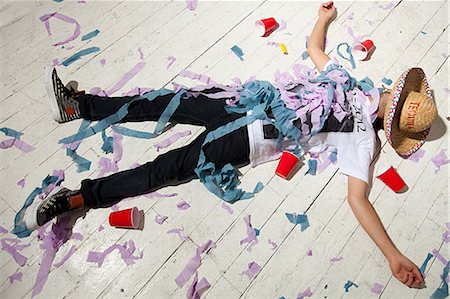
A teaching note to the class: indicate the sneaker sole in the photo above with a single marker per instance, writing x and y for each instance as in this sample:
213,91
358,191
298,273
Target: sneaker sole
48,82
30,217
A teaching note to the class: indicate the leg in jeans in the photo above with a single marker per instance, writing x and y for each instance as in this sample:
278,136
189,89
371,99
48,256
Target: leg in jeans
171,168
195,111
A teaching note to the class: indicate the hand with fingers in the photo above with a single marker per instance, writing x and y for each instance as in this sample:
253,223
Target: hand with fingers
407,272
327,11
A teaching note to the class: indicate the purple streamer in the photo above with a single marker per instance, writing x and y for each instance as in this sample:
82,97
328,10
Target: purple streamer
115,207
117,146
183,205
141,54
66,257
21,183
179,232
440,160
160,219
193,264
126,252
336,259
227,208
13,247
377,288
171,139
439,256
387,6
137,91
417,155
191,4
19,144
273,244
106,165
197,288
127,77
16,276
46,19
253,269
251,233
171,60
3,230
305,293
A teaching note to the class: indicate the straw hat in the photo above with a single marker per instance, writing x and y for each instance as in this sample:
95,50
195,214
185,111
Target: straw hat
410,111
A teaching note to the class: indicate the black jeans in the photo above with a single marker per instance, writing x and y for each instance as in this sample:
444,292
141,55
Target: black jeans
173,167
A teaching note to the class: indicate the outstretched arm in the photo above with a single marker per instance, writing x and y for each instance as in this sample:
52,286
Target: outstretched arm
316,42
402,268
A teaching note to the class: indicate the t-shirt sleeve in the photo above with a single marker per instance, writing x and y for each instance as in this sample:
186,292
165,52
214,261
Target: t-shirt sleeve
354,160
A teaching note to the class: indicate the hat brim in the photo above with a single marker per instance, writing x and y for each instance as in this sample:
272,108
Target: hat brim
405,143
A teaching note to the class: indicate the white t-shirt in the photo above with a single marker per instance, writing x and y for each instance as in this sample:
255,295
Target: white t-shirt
355,148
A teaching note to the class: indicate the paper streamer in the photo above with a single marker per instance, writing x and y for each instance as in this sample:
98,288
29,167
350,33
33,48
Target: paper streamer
301,219
193,264
46,19
251,233
336,259
227,208
11,132
80,54
387,6
183,205
439,160
377,288
253,269
66,257
171,60
3,230
349,284
127,77
197,288
171,139
160,219
439,256
90,35
19,144
191,4
126,250
304,294
425,263
13,247
442,292
16,276
179,232
238,52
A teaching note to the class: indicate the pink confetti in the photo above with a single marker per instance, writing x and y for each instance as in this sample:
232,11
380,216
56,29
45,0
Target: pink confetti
141,54
251,233
106,165
179,232
271,43
171,60
102,61
440,160
191,4
387,6
193,264
13,247
126,252
377,288
415,157
21,183
171,139
273,244
46,19
351,16
16,276
197,288
100,228
305,293
253,269
309,252
81,1
370,22
227,208
55,62
447,90
336,259
115,207
160,219
183,205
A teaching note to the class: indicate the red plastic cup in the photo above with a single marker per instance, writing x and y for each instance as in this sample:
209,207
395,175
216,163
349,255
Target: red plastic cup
389,175
265,27
362,50
287,163
128,218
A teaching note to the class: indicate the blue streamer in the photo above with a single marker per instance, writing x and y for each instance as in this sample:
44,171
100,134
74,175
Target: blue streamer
83,164
20,228
238,51
349,52
90,35
79,54
366,84
10,132
425,263
442,292
301,219
349,284
132,133
312,167
107,146
386,81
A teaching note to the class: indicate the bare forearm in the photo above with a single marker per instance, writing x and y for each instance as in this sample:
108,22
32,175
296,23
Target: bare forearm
369,220
318,34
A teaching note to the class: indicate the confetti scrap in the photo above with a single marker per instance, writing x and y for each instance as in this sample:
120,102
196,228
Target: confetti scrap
423,32
336,259
273,244
178,231
100,228
193,264
349,284
351,16
160,219
141,54
439,160
66,257
21,183
304,294
415,157
102,61
387,6
227,208
126,251
55,62
3,230
183,205
191,4
253,269
171,60
309,252
16,276
301,219
106,165
386,81
79,54
238,52
90,35
376,288
251,238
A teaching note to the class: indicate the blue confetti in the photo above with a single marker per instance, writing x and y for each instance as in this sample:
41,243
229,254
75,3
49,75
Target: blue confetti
312,167
349,284
238,51
80,54
301,219
10,132
425,263
257,231
107,146
423,32
386,81
442,292
305,55
90,35
333,157
83,164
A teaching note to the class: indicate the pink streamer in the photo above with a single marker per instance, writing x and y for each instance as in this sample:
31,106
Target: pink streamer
253,269
21,183
126,252
137,91
377,288
66,257
160,219
3,230
191,4
171,60
251,233
305,293
13,247
197,288
273,244
16,276
440,160
193,264
117,146
127,77
171,139
46,19
19,144
336,259
227,208
183,205
439,256
179,232
417,155
106,165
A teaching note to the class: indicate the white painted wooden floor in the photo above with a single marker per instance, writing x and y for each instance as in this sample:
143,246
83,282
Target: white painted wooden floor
407,34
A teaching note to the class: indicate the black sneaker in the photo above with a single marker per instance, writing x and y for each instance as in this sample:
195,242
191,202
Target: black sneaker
41,212
62,103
